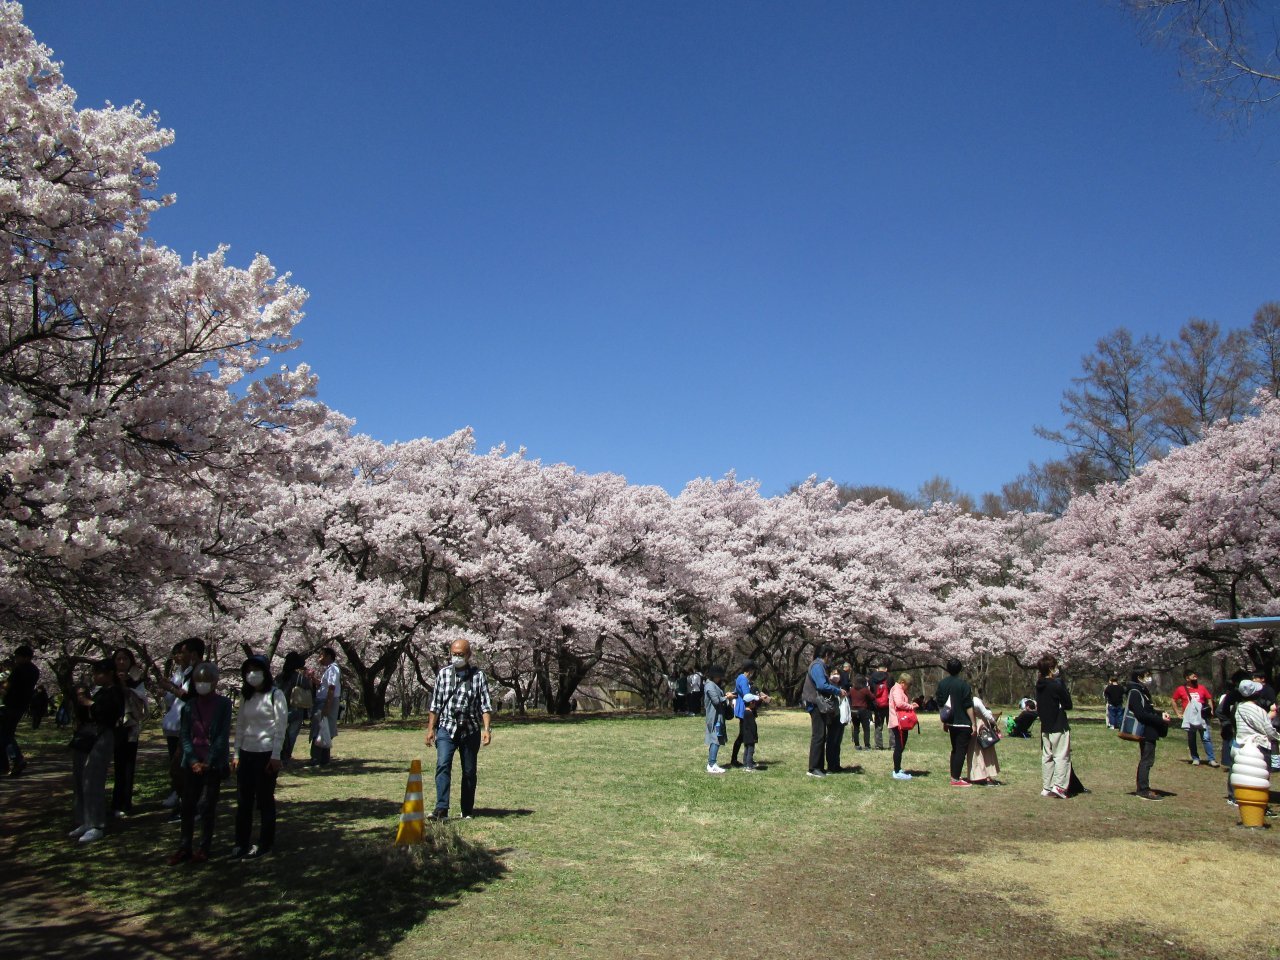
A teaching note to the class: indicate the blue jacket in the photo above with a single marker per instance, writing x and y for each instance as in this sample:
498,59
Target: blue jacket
742,687
818,674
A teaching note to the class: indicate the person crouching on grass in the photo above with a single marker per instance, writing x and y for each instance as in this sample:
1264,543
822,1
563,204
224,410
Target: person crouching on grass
714,701
205,732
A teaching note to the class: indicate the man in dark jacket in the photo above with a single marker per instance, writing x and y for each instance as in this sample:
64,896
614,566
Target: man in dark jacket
1155,725
955,704
1054,700
23,675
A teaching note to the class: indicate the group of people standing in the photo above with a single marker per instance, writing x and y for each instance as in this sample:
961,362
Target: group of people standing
207,741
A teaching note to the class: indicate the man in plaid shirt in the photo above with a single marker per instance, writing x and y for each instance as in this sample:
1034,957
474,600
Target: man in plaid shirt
458,721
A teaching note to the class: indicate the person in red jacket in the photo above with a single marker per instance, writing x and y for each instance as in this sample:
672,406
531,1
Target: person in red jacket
879,683
1193,689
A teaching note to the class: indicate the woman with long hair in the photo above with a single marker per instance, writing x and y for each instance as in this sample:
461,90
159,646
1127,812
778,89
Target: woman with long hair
127,730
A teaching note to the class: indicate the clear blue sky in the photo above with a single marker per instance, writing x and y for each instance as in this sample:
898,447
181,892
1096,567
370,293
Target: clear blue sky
670,239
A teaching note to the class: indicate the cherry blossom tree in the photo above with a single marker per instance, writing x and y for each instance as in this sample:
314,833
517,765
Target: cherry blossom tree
1140,570
140,427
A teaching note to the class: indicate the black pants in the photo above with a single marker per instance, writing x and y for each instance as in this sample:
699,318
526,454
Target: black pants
818,732
899,744
861,722
255,786
747,736
126,764
835,736
960,737
1146,760
9,750
176,780
199,798
881,715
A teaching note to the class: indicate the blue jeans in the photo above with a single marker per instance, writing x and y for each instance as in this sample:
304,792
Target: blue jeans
467,747
1205,735
1114,715
713,751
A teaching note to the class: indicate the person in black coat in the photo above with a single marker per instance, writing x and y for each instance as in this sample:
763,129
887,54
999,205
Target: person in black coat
1155,724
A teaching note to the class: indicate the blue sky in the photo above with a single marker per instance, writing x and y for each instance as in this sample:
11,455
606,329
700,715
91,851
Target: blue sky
670,239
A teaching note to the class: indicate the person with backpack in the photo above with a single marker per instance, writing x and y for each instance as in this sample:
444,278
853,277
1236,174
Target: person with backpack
1053,700
260,731
955,709
821,698
1155,724
880,683
128,730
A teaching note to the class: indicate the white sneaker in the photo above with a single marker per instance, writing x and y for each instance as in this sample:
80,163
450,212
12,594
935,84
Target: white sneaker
901,775
171,800
1195,762
714,768
91,835
77,833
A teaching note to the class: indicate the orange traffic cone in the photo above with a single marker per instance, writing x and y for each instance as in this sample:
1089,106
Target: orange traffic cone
412,815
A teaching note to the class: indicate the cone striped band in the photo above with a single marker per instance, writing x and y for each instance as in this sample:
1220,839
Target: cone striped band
411,817
413,797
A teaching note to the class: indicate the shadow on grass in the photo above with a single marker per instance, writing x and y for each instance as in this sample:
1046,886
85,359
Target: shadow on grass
329,890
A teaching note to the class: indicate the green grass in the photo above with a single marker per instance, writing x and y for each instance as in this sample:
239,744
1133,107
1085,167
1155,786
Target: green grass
605,837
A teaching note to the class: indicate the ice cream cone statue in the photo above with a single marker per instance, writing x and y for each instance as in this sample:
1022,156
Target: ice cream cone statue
412,815
1251,781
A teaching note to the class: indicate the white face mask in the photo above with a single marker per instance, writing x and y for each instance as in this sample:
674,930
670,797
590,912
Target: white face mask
255,678
204,688
459,662
1146,680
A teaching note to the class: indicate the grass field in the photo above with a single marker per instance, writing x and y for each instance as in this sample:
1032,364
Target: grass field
603,837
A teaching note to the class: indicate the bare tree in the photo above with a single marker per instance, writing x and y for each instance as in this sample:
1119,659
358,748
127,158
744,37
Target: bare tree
1230,49
1264,337
1208,376
1114,413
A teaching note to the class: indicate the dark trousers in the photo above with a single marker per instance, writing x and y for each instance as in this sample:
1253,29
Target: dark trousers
255,786
10,752
747,736
126,764
899,744
467,746
881,715
835,737
861,722
199,799
1146,760
960,737
819,724
176,779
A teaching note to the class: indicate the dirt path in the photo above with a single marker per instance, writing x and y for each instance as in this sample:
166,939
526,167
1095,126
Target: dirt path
39,921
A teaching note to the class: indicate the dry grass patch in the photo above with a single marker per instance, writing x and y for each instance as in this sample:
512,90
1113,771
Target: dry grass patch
1084,885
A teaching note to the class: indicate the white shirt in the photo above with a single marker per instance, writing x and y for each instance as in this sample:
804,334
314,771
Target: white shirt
172,722
332,677
261,723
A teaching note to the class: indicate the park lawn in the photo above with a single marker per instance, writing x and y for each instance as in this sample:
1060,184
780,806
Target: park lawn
605,837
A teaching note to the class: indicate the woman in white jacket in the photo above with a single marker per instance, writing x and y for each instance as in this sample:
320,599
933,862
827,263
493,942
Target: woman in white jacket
260,729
